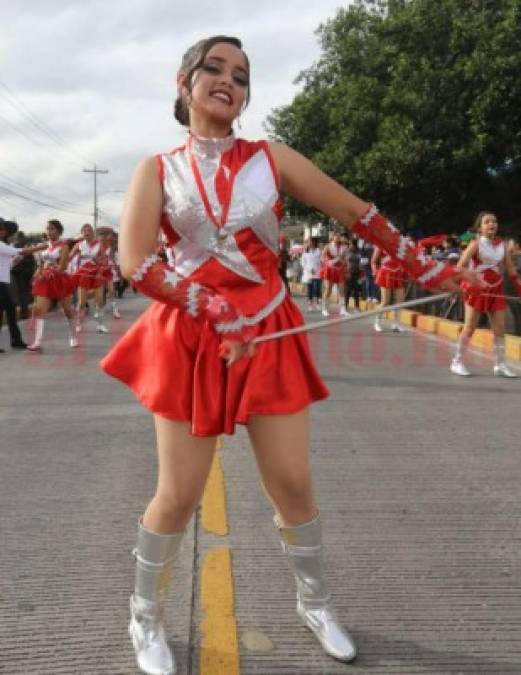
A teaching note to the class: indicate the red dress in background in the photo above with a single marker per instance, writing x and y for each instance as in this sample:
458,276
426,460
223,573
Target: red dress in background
487,262
390,274
335,263
94,269
169,359
50,282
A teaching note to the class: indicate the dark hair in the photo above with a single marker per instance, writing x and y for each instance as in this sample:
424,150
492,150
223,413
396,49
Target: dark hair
194,59
56,223
479,218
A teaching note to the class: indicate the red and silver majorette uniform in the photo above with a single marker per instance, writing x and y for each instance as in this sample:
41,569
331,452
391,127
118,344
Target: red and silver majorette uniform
94,268
170,356
487,262
50,282
389,274
335,268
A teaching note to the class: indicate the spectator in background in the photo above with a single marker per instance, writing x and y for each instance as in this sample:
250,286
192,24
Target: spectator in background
353,279
7,253
22,274
452,248
311,265
372,293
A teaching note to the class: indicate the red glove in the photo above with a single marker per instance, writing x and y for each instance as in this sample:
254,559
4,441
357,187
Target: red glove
516,282
378,230
161,283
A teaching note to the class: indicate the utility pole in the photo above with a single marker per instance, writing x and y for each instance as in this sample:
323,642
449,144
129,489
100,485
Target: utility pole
95,171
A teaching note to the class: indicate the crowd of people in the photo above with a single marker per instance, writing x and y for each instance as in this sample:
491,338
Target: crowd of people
74,273
82,272
360,271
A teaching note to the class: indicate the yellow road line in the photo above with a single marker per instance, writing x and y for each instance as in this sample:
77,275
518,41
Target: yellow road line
219,647
214,501
219,653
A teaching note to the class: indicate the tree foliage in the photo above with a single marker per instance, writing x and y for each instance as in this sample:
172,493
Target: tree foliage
416,105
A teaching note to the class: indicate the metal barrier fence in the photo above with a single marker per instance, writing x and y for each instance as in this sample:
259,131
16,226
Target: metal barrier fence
453,308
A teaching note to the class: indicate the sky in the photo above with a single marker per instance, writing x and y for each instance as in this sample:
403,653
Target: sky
84,83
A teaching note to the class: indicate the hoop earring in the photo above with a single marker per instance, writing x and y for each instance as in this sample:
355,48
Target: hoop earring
239,125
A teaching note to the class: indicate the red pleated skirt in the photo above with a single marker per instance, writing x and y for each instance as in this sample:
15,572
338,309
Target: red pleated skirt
91,276
491,299
171,363
387,277
52,284
335,275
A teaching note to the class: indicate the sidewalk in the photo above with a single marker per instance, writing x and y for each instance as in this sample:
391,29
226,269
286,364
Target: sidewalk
417,474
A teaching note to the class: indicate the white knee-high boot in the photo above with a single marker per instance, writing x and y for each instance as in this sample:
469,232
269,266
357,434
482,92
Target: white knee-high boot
501,369
303,547
100,311
38,335
457,365
155,555
73,340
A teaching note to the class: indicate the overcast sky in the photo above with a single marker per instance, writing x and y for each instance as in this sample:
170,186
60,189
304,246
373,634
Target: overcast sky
100,76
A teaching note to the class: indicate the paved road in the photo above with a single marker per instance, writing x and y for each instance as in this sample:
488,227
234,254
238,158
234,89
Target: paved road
418,477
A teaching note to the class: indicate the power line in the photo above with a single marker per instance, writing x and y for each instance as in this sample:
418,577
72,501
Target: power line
14,168
36,192
32,139
8,191
11,202
19,131
39,124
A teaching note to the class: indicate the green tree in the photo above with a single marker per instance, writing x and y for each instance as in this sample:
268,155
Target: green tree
416,104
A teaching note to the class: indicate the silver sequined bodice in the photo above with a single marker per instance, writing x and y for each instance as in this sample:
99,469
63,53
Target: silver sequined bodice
253,197
51,255
89,251
490,255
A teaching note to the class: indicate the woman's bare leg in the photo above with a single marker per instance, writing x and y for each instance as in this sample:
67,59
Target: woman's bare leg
497,319
41,307
281,446
80,308
328,287
385,294
184,464
399,295
99,298
66,304
471,321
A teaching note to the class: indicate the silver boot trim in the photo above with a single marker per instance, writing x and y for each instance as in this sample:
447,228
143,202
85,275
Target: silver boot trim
155,555
303,547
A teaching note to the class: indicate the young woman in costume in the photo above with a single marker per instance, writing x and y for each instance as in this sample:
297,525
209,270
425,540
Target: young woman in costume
489,256
334,272
93,274
189,357
388,276
51,282
109,242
